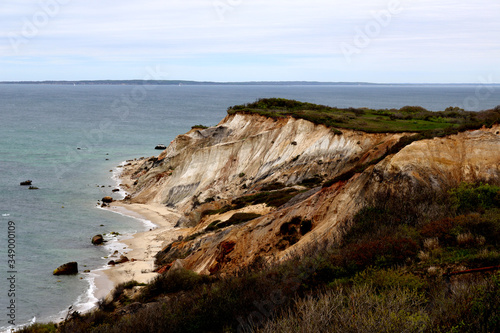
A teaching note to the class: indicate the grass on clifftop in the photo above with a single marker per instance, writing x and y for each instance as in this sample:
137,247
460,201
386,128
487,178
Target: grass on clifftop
406,119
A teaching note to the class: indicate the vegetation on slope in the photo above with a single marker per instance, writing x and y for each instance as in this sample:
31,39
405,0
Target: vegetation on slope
394,269
405,119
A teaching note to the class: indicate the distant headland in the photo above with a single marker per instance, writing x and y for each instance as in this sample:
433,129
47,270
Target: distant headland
183,82
192,83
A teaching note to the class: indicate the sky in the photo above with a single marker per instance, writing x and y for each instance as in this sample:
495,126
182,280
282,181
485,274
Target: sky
388,41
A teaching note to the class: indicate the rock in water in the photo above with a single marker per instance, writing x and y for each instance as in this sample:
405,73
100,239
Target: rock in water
26,183
69,268
160,147
107,200
97,240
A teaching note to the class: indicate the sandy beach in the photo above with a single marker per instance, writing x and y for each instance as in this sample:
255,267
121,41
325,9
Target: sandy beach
141,248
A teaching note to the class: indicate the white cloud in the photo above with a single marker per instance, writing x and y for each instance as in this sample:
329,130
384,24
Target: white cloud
281,36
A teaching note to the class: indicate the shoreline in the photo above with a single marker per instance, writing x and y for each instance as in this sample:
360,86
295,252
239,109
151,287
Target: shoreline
141,247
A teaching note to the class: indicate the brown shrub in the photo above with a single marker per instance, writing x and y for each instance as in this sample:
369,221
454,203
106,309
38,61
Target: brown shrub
386,251
440,229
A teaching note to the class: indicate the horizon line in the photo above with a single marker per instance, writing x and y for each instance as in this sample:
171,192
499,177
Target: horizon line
195,82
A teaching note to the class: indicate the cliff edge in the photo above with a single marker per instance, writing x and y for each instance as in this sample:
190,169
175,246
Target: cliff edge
260,188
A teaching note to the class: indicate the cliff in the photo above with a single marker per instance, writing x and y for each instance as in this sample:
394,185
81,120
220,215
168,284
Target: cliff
291,182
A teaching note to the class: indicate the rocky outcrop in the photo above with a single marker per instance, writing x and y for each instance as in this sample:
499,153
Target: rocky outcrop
98,240
211,174
70,268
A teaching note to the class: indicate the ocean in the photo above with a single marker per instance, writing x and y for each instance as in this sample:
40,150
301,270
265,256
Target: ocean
69,141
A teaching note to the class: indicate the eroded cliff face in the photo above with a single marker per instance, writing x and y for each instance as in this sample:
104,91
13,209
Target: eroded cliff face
207,174
246,152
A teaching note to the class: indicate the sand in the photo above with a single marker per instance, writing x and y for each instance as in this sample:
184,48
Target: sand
141,248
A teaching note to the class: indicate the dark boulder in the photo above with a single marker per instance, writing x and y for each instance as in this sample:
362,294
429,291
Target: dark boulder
69,268
161,147
121,260
97,240
107,199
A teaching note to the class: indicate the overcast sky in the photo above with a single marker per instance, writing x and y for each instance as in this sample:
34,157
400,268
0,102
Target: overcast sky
417,41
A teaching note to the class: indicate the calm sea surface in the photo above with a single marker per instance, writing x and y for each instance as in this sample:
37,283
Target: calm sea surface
67,139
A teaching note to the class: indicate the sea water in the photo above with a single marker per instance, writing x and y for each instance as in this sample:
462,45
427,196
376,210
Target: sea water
69,141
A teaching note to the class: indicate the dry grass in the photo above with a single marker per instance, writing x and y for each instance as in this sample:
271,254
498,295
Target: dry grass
431,243
359,309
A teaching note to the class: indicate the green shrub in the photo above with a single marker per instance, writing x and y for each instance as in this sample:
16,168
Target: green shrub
179,280
406,119
193,236
475,197
118,290
271,199
199,127
412,109
238,218
366,221
222,210
38,328
389,278
212,226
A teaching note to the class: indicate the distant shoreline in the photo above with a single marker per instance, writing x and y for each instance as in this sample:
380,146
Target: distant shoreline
213,83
